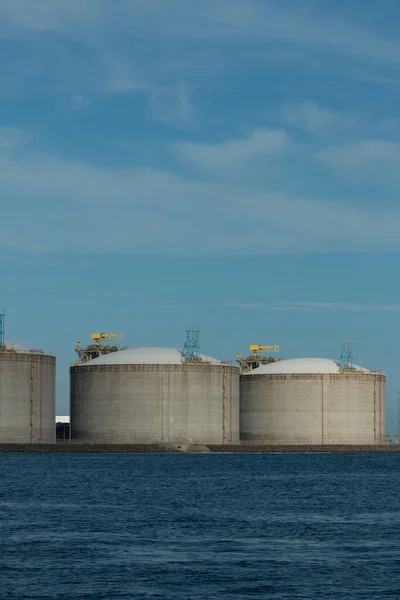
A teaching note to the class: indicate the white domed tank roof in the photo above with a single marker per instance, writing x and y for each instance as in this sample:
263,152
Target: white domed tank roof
153,355
300,365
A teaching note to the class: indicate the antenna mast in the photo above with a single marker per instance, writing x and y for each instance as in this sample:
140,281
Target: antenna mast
2,319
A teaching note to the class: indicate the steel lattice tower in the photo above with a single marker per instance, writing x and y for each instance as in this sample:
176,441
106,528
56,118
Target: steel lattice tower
191,349
346,360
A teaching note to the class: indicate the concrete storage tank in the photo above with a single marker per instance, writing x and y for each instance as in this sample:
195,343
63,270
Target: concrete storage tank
27,397
148,395
311,401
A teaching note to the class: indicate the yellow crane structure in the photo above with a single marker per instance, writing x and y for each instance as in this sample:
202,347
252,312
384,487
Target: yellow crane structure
255,359
106,337
255,348
100,345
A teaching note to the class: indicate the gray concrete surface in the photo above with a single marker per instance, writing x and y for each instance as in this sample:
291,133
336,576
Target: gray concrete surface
149,404
27,398
313,409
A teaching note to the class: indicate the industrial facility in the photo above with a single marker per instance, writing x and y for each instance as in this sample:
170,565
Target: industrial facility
312,401
27,394
158,395
155,395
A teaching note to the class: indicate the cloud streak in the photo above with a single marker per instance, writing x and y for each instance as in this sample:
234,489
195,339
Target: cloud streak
234,154
311,117
108,33
171,104
307,306
57,205
11,137
376,160
205,20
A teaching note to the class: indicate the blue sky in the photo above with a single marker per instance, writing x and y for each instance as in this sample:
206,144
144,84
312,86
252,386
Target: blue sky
232,163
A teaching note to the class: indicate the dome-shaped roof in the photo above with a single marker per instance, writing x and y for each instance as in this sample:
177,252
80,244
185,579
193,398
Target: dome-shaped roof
300,365
153,355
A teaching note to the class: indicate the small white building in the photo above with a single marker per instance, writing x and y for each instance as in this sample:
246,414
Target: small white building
62,418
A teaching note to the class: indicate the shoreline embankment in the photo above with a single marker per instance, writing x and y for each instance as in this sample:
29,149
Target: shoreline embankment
82,448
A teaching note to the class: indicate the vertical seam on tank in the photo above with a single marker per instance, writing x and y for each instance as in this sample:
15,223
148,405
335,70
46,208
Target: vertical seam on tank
380,410
70,404
322,409
162,403
375,423
223,404
230,404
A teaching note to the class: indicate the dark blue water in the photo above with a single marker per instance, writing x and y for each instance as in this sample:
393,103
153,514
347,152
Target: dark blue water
200,526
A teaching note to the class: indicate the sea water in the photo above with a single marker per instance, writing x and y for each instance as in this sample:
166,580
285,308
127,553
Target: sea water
191,526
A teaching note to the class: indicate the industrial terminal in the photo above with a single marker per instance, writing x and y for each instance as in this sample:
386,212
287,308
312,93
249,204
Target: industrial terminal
161,395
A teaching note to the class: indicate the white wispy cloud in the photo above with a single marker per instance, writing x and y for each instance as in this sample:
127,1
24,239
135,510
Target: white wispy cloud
363,153
229,155
207,19
43,15
294,306
166,51
52,204
113,34
170,104
308,115
367,159
12,137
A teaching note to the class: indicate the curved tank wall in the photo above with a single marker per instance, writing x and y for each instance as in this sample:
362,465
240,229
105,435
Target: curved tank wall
27,397
309,401
147,395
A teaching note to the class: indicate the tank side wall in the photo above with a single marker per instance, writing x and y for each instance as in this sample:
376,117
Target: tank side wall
313,409
281,409
17,372
213,404
174,408
234,413
198,404
45,400
153,403
14,399
382,417
352,409
115,404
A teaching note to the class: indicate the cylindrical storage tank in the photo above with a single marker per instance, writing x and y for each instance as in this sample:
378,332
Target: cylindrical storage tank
27,397
312,401
148,396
